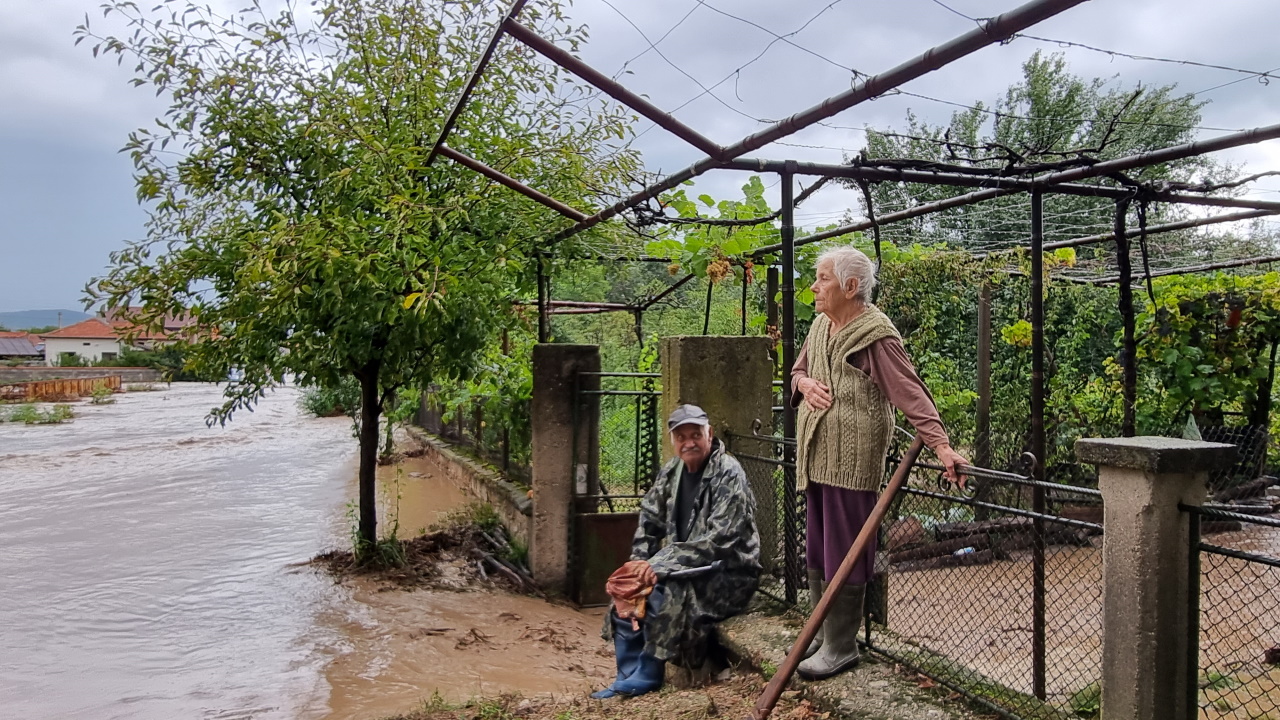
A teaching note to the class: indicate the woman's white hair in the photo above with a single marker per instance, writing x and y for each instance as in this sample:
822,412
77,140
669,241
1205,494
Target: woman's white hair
848,262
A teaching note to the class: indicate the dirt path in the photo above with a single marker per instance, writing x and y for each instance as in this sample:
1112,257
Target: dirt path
410,645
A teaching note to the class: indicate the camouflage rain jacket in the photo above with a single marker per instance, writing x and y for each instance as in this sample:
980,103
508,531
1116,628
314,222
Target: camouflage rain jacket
723,528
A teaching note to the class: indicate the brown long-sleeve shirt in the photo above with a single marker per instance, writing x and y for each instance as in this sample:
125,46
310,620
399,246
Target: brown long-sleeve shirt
886,362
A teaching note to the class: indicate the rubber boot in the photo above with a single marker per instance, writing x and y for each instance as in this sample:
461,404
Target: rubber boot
628,646
839,650
816,587
650,671
647,678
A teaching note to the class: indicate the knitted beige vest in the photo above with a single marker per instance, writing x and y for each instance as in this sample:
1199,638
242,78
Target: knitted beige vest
845,445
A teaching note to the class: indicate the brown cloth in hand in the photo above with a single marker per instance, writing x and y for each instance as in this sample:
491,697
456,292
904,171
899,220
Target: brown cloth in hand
629,585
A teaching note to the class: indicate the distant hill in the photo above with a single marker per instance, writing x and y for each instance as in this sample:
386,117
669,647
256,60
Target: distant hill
23,319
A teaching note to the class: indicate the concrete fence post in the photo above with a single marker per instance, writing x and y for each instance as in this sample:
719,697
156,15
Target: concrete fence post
560,461
731,377
1146,643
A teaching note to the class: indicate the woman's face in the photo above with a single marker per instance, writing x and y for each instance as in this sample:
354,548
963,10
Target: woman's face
828,296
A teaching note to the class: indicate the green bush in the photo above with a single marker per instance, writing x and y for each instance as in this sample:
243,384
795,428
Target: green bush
102,395
31,415
343,399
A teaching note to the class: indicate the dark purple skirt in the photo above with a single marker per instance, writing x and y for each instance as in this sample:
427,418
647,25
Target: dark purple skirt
834,518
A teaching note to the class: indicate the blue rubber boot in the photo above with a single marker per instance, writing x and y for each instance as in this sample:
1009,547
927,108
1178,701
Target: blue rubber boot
650,671
628,645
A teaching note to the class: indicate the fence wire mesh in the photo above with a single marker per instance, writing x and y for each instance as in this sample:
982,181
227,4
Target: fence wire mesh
630,442
959,601
504,442
1238,674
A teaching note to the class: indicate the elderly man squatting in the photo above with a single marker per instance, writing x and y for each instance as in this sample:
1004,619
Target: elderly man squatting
699,510
851,373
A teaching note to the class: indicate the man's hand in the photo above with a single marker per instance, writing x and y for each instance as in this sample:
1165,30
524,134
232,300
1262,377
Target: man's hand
952,460
629,585
816,394
643,572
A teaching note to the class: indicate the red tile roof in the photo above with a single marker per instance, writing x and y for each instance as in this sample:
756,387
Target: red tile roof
21,334
99,329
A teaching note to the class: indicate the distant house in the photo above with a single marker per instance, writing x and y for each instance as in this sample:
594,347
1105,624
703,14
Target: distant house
20,346
93,340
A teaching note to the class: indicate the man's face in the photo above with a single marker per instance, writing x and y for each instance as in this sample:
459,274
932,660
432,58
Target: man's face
692,444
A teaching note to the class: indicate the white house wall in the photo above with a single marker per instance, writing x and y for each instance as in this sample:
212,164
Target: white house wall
90,350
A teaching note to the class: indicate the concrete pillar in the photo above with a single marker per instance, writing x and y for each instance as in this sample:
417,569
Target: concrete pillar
556,470
731,377
1146,644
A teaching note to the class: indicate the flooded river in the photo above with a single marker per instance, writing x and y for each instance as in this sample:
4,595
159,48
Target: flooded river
152,568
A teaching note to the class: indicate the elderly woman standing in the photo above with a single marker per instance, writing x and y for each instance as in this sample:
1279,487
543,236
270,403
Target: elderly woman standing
851,373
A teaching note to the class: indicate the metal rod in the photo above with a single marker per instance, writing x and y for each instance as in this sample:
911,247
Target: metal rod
990,32
1129,343
773,691
612,88
1212,201
622,374
745,279
982,422
1214,513
1037,444
1193,617
1241,555
1224,265
582,304
1154,229
662,295
1007,186
544,319
790,500
644,393
474,80
510,182
771,313
1004,509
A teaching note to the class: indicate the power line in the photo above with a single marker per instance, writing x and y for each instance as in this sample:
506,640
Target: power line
654,47
1264,76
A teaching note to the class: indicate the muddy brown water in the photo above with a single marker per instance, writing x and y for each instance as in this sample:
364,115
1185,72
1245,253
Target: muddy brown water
153,567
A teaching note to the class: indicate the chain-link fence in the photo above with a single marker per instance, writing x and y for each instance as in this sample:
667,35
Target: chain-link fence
1238,608
995,591
630,449
503,441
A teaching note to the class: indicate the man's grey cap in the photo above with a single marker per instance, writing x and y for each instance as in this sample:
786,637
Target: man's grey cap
687,415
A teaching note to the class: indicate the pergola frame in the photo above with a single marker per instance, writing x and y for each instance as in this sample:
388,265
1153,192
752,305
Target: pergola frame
986,187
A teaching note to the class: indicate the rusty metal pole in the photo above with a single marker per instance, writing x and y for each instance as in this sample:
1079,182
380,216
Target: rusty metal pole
790,499
1037,445
544,306
771,309
982,439
1129,347
769,698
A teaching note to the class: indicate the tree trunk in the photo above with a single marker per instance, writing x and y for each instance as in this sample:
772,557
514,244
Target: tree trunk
369,412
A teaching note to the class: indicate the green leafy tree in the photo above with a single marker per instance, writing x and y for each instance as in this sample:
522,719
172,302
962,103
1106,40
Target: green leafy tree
293,215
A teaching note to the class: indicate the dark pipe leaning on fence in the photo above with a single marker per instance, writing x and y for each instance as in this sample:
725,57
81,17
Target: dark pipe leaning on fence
773,691
1037,444
790,502
1129,343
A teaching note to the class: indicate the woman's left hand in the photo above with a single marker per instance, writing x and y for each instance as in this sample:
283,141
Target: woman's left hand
952,460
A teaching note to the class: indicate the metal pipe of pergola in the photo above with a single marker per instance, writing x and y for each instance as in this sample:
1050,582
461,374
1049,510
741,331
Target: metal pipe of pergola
989,32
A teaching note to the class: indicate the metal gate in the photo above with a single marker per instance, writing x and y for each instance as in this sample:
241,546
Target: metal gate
618,414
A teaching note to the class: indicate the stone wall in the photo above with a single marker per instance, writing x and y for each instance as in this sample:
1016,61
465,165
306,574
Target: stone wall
127,374
511,503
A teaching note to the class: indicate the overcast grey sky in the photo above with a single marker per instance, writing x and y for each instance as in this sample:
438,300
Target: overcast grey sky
67,199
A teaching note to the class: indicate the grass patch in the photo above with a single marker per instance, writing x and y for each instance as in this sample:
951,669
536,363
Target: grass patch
1087,701
31,415
102,395
1213,680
